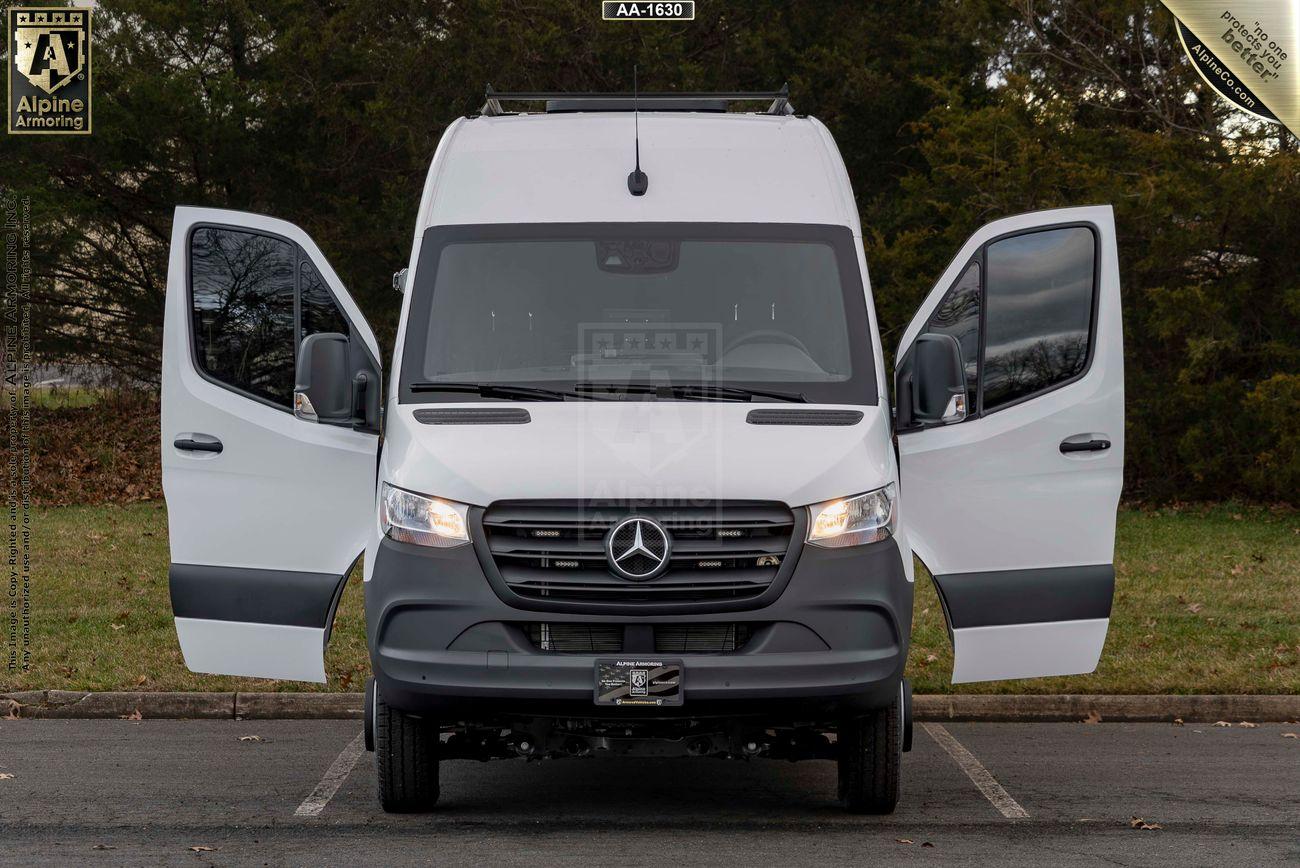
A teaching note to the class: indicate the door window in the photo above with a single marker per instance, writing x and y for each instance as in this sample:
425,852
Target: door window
1023,319
959,315
1039,317
317,310
250,294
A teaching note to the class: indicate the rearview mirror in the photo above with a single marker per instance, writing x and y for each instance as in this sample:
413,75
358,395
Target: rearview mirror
931,386
323,388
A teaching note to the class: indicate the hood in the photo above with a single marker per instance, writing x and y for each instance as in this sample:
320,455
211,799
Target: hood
635,450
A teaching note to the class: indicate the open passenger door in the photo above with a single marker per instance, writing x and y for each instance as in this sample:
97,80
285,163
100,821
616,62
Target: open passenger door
1010,396
268,450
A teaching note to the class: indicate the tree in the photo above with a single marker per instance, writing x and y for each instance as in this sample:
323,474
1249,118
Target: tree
1095,102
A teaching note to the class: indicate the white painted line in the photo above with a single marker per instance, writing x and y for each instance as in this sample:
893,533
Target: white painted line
334,777
974,769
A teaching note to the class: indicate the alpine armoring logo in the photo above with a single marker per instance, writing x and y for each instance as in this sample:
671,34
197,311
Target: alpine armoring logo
49,70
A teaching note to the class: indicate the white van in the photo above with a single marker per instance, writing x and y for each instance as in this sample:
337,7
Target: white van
633,485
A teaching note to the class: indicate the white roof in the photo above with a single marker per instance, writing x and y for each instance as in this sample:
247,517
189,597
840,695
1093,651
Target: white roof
573,167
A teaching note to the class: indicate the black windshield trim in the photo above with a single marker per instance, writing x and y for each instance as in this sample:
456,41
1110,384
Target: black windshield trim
859,389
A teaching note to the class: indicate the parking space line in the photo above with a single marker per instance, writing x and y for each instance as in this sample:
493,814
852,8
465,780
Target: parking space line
974,769
334,777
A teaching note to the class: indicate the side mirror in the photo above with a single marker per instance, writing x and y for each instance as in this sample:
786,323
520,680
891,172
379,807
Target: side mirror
931,383
399,281
323,388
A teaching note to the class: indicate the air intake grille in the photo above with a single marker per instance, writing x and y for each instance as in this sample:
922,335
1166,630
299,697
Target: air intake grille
577,638
564,638
700,638
555,550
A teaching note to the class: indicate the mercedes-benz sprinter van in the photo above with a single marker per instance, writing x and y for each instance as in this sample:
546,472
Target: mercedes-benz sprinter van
633,483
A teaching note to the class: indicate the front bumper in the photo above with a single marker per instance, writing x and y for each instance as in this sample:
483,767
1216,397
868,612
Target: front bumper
443,643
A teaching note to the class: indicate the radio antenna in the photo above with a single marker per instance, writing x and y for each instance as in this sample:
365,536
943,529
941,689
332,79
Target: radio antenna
637,181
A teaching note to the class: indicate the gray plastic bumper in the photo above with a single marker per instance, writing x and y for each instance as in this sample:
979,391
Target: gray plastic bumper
443,643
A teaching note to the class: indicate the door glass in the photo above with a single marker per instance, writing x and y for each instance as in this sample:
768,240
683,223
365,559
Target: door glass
1039,312
318,311
959,315
242,288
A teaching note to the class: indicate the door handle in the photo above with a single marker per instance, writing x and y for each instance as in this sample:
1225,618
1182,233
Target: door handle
191,445
1086,446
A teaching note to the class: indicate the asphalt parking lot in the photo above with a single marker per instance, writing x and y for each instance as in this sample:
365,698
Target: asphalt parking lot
299,792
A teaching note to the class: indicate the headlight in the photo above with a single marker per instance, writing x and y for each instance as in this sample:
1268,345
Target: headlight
853,521
425,521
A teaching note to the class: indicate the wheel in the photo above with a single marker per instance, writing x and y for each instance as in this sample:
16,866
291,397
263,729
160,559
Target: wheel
406,760
871,759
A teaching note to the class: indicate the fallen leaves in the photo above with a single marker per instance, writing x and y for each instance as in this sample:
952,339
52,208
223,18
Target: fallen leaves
1222,723
251,738
1178,721
1136,822
1194,607
76,467
905,840
1290,735
135,715
6,776
1094,716
1246,724
203,848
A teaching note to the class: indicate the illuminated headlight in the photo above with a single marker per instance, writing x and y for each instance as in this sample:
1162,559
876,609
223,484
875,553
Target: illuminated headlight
853,521
425,521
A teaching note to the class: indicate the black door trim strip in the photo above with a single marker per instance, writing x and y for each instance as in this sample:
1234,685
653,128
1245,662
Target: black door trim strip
1027,596
254,596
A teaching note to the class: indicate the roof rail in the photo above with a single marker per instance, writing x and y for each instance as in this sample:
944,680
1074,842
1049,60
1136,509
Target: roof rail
558,101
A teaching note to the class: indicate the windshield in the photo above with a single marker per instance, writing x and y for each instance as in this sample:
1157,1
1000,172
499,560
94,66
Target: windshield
605,309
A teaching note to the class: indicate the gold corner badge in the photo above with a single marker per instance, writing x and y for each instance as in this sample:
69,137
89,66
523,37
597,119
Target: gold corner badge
49,70
1248,51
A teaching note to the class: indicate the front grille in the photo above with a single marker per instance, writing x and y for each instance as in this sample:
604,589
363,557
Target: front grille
555,550
668,638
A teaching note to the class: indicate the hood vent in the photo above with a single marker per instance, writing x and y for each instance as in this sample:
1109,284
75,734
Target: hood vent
474,416
804,417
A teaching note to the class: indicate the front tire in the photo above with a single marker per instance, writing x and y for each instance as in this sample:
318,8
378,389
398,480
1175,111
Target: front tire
871,759
406,760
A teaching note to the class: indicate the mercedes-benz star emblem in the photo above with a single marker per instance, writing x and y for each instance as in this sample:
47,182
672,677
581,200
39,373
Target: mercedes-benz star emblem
638,548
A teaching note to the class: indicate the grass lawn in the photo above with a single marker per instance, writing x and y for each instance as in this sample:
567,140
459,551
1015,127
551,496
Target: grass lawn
1207,601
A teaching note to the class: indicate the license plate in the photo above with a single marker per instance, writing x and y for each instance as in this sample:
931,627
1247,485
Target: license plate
638,682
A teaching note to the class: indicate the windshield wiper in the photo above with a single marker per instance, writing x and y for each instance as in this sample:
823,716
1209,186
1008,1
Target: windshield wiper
501,390
738,394
704,392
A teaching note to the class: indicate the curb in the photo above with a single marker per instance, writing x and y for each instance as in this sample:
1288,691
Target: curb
1149,708
1029,708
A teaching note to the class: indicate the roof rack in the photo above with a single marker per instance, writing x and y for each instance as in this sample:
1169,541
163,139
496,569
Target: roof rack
683,101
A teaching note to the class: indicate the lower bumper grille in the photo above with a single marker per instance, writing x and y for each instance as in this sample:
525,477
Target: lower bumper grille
577,638
669,638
